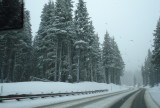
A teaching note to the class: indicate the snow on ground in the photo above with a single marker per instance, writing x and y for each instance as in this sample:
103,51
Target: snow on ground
27,103
153,96
55,87
48,87
108,102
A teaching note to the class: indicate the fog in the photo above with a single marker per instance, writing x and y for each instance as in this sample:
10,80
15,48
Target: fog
131,22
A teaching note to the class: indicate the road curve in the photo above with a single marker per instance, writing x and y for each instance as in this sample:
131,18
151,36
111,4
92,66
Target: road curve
139,101
134,100
85,101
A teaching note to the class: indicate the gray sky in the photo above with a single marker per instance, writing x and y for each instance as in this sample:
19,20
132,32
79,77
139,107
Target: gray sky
131,22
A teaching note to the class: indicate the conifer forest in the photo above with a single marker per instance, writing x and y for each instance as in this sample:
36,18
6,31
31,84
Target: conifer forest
66,48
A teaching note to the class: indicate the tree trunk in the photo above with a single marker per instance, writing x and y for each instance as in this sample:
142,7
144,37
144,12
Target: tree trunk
69,59
60,63
78,67
91,71
56,61
109,77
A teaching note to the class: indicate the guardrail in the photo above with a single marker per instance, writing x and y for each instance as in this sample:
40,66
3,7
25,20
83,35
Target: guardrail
19,97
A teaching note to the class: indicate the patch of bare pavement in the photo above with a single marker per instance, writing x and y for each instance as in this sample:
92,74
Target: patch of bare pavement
134,100
139,101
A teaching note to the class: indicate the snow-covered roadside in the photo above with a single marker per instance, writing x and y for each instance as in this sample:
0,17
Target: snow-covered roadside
54,87
152,97
27,103
48,87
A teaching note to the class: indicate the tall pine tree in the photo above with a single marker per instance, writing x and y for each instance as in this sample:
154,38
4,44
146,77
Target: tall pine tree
112,61
156,51
85,37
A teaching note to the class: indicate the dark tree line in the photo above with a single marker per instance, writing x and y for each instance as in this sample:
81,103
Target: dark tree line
66,48
11,14
15,53
151,68
148,70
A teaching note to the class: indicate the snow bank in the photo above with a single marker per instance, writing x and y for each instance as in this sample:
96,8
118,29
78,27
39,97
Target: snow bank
55,87
154,94
48,87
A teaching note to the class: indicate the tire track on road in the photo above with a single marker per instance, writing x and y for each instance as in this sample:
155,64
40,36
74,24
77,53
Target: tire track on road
139,101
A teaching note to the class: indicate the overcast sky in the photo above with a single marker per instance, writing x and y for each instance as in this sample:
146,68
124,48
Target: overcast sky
131,22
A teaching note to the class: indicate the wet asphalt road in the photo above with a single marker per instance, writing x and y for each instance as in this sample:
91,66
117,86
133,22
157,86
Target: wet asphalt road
139,101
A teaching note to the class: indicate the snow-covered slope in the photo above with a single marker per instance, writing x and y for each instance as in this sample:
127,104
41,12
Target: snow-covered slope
153,97
55,87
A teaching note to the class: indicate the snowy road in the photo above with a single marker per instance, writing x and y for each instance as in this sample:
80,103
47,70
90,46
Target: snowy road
134,100
139,101
102,101
126,99
129,99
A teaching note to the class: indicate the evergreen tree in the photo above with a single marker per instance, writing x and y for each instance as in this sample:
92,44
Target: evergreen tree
84,40
65,38
24,51
148,72
156,51
55,41
118,64
112,61
96,60
106,56
43,44
134,81
16,51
